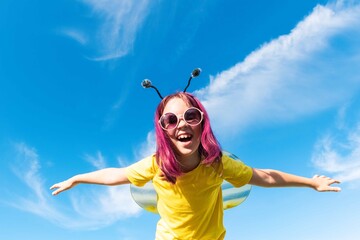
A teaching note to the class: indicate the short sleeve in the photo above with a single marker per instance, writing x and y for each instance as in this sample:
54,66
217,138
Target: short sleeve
142,171
235,171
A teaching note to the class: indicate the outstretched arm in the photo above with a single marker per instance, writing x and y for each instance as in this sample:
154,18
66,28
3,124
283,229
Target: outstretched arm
107,176
274,178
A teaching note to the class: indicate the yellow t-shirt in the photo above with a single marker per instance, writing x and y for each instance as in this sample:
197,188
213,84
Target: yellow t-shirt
192,208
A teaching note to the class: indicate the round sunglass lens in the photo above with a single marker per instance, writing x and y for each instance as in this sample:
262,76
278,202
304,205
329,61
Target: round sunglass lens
169,121
193,116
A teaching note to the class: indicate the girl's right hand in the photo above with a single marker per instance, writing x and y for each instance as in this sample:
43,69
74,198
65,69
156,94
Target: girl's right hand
62,186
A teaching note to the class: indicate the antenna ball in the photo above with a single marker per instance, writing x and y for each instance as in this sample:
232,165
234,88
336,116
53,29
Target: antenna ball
146,83
196,72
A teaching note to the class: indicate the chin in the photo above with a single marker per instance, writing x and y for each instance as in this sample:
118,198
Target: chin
186,152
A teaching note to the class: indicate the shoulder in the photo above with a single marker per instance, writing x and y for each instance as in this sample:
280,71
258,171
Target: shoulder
148,164
234,167
233,170
142,171
227,163
228,160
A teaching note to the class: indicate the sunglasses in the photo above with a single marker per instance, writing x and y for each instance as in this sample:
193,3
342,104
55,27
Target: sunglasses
192,116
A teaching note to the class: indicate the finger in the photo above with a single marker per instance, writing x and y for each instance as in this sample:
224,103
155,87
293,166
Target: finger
56,192
335,189
331,189
332,181
54,186
315,176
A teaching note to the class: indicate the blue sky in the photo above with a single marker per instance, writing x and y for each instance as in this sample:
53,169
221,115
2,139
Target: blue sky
280,81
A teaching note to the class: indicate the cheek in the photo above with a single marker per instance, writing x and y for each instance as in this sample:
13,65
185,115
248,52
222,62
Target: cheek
170,134
198,133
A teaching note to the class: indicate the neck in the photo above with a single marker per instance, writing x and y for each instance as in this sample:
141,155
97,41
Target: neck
189,163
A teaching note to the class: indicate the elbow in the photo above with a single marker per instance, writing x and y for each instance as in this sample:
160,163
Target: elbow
116,177
268,180
263,178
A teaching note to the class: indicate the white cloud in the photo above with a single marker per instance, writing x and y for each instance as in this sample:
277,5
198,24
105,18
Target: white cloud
314,67
104,207
113,114
89,210
340,156
76,35
120,21
147,148
98,162
37,199
121,161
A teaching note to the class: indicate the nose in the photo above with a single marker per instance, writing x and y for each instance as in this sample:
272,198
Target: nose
182,122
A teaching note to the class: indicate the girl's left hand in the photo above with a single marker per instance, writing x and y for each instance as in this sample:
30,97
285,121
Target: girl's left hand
323,184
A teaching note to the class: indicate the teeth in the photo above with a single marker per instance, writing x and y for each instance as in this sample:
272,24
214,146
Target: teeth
184,136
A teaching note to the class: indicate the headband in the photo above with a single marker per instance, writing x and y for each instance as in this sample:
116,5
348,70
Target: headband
146,83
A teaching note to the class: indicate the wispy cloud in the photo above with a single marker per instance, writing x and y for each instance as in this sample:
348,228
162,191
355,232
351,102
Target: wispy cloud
314,67
147,148
74,34
338,151
37,199
119,23
340,156
104,207
88,210
98,161
113,114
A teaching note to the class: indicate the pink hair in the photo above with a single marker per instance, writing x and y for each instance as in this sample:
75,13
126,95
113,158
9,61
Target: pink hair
165,156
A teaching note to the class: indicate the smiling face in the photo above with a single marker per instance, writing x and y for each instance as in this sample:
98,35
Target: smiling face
185,138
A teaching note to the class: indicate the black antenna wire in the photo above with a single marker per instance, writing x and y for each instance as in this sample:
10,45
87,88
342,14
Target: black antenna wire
195,73
146,83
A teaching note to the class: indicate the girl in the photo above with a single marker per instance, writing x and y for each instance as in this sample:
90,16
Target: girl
187,171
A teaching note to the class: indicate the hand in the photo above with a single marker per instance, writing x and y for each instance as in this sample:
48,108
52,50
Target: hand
323,184
62,186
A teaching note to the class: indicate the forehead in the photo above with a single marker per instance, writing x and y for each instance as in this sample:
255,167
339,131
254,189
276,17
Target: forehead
176,105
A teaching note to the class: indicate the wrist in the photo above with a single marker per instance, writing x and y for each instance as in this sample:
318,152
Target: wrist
75,179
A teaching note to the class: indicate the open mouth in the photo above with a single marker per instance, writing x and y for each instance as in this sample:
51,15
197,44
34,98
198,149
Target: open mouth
184,138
